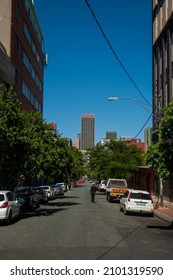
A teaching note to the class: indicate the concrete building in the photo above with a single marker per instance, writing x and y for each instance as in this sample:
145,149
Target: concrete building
162,58
7,70
111,135
77,141
87,131
162,72
148,135
21,37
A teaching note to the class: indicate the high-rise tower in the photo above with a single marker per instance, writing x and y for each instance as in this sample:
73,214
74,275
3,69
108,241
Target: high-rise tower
87,131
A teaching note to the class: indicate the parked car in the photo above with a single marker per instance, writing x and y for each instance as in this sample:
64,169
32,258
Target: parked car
102,186
64,185
42,194
50,192
27,197
10,208
80,182
136,201
58,189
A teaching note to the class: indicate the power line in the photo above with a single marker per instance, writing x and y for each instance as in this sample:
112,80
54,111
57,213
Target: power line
141,128
116,56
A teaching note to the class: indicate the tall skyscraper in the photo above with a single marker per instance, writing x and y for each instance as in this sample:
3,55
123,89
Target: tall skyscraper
87,131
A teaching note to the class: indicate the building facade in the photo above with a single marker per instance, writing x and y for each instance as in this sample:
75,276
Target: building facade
111,135
148,137
7,70
21,37
87,131
162,59
162,72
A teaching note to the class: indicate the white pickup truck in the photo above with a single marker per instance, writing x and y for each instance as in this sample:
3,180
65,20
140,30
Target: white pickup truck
115,189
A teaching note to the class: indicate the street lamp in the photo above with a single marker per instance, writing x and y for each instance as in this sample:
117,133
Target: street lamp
156,116
144,105
133,99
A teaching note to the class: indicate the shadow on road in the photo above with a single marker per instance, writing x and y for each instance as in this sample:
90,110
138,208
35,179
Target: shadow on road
166,227
63,203
40,213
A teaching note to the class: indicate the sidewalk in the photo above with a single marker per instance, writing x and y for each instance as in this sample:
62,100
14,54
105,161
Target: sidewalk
165,212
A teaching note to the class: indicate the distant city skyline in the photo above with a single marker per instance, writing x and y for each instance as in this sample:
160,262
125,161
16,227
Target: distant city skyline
82,71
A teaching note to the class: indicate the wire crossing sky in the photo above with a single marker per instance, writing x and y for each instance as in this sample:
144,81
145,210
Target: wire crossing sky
82,73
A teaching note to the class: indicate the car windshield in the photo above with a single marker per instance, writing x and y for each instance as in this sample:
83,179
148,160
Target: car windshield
119,184
140,195
1,197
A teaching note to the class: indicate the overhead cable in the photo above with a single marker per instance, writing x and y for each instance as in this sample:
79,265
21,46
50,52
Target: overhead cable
141,128
116,56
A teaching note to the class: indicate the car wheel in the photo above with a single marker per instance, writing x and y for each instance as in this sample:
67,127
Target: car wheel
109,199
9,220
125,210
20,213
120,208
31,206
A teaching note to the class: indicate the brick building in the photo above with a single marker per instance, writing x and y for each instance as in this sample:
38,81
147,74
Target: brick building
22,39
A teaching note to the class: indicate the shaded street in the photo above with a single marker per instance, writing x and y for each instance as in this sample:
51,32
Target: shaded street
71,227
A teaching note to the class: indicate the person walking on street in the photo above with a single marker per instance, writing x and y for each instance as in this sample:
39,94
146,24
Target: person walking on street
92,192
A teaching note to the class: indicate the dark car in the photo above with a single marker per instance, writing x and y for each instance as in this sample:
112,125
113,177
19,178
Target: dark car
42,194
27,197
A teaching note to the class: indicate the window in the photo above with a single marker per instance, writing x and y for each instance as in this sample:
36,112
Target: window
10,196
30,96
1,197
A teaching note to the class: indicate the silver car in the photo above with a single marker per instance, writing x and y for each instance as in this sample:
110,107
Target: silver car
10,208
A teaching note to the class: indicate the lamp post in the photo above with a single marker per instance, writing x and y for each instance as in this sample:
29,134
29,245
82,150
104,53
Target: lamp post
142,104
156,116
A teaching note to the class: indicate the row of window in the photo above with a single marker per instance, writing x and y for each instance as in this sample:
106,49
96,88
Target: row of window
33,21
30,96
32,71
32,44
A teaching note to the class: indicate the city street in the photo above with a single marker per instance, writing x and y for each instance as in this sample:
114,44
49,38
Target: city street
71,227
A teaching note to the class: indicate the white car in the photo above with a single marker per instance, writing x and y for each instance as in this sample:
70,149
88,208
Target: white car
64,186
102,186
50,191
136,201
10,208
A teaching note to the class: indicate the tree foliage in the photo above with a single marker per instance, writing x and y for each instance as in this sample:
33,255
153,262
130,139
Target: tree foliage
29,147
160,155
114,159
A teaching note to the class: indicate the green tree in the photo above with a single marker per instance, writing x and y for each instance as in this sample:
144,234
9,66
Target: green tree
114,159
29,148
12,144
160,155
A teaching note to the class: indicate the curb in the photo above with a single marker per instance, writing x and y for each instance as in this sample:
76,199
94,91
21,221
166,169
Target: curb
163,216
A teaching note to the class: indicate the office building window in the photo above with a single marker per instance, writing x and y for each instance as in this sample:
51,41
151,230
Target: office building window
30,96
32,44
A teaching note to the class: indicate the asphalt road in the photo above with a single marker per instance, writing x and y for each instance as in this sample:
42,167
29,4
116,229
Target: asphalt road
73,228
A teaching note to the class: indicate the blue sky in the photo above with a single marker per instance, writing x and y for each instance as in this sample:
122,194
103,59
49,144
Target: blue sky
83,72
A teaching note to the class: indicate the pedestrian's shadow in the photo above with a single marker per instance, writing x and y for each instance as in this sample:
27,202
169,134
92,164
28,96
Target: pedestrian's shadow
167,227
